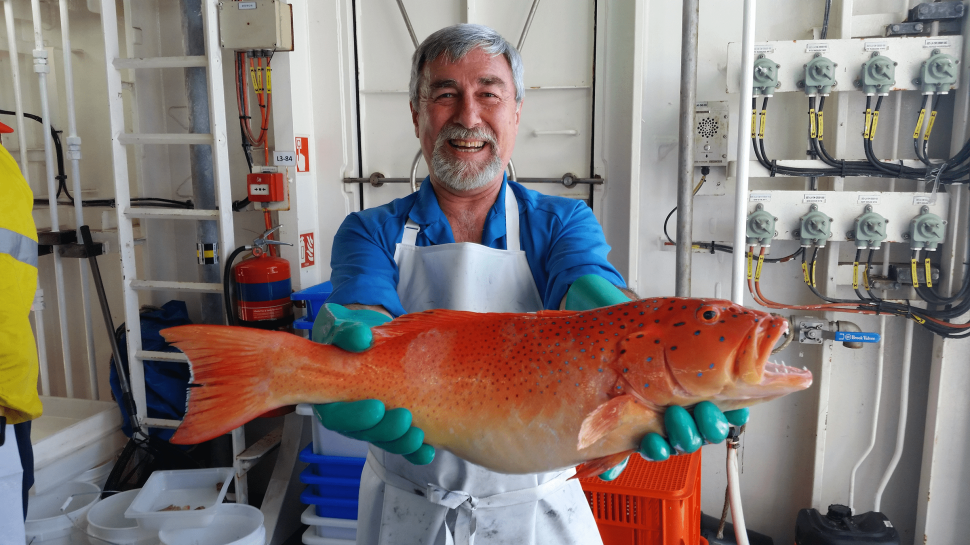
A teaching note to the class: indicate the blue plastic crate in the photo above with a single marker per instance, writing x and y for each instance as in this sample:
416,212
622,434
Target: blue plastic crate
316,296
338,467
330,487
334,508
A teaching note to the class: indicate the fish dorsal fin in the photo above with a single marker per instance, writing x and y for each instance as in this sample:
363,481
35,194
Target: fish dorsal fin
604,419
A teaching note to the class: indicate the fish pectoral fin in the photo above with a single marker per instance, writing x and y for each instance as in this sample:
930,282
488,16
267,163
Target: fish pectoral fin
599,465
606,418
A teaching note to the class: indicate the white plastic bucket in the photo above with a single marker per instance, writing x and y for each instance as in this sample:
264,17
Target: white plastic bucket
51,517
233,524
107,522
97,475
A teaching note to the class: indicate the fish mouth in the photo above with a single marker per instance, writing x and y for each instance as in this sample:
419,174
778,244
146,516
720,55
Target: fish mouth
760,378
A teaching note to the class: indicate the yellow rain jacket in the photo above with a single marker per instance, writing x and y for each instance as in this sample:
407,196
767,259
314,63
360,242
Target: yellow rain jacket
19,401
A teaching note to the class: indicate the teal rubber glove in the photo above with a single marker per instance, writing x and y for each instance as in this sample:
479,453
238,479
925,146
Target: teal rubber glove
366,420
685,432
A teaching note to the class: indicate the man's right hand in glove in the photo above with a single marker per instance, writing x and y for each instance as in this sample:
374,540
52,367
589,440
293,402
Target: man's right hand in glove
366,420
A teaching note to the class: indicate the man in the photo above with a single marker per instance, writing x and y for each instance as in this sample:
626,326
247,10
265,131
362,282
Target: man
468,240
19,402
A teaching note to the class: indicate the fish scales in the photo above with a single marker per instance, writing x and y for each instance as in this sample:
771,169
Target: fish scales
516,393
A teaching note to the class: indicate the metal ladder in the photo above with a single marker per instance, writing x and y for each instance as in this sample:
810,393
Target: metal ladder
217,138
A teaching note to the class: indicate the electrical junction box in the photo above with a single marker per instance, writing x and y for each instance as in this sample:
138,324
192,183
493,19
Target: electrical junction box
259,24
266,186
710,134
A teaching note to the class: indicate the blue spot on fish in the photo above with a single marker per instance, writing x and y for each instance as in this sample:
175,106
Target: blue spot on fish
722,339
700,374
625,370
650,359
711,367
601,370
646,385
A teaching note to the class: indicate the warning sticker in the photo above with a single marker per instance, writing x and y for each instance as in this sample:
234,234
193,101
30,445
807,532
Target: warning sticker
921,199
868,199
936,43
820,47
302,154
817,198
306,250
759,196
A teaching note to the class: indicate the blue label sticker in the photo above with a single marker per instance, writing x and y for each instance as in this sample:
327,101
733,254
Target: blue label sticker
856,337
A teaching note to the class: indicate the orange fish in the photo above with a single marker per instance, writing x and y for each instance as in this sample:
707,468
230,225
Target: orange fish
515,393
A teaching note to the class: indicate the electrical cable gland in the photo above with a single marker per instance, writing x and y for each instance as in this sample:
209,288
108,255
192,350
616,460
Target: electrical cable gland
938,73
878,75
870,229
760,227
816,228
819,76
926,230
765,76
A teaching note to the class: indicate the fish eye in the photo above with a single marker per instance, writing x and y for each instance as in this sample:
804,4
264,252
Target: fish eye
708,314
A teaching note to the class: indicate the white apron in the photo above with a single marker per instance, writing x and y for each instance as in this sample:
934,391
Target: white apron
451,501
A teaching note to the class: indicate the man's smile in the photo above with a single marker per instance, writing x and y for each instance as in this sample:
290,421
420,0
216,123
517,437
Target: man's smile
467,145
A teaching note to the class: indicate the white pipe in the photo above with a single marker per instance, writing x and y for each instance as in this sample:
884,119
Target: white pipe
903,409
42,68
15,79
875,411
740,218
38,308
734,492
744,153
74,152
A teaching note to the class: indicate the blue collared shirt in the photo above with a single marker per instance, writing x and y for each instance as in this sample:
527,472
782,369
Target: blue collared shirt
561,238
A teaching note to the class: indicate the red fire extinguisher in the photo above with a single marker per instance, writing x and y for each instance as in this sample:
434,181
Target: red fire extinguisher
262,287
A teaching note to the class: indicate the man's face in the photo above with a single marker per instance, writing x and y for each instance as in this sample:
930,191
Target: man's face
467,119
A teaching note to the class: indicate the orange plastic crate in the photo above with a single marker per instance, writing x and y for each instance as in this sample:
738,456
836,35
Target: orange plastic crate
650,503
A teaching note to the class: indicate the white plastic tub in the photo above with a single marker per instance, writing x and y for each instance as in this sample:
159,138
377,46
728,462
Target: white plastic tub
107,522
51,517
202,490
329,527
331,443
310,538
233,524
97,475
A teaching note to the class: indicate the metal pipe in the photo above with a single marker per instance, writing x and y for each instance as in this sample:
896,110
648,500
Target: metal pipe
42,68
15,80
528,25
203,184
74,152
512,171
685,155
407,22
903,410
744,153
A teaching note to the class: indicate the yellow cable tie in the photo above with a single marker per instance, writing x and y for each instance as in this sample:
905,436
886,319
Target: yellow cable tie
750,257
269,79
865,278
805,272
929,275
252,75
855,275
865,135
813,274
929,125
919,123
819,115
915,277
918,320
761,132
875,121
757,272
754,129
811,122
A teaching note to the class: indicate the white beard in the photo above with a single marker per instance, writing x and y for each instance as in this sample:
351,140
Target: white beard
464,175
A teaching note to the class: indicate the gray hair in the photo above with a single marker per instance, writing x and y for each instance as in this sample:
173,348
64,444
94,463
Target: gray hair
456,42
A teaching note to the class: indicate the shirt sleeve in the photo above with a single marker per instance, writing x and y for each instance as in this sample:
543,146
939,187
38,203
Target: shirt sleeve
363,267
577,248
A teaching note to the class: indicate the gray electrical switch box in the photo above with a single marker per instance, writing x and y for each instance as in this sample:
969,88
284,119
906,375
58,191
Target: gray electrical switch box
258,24
710,134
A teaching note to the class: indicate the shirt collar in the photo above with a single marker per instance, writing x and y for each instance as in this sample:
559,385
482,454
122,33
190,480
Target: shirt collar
427,213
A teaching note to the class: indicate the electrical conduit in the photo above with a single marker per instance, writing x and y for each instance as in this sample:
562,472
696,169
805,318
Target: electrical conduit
42,68
903,409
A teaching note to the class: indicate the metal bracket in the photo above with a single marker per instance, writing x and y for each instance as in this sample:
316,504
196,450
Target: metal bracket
79,251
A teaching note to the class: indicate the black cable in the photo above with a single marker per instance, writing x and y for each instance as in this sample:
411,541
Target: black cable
226,278
825,20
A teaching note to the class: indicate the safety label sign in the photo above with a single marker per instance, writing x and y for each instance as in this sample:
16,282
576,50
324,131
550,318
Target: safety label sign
302,154
306,250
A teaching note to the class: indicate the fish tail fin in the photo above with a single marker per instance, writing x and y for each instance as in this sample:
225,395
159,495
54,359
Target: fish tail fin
597,466
231,384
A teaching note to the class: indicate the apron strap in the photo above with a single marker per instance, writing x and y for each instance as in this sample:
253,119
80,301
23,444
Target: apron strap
467,504
511,220
411,230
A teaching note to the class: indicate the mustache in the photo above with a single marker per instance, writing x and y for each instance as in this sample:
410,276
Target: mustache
457,132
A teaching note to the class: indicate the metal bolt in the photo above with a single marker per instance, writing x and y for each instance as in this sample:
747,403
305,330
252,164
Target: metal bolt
850,234
919,27
905,236
895,28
